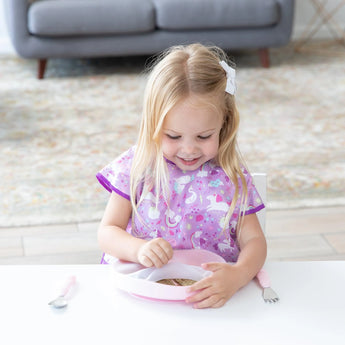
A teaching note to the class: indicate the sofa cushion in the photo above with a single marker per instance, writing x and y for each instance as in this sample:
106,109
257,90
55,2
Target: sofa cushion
91,17
215,14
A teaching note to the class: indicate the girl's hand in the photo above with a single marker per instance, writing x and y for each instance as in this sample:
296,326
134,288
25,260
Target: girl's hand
156,252
216,290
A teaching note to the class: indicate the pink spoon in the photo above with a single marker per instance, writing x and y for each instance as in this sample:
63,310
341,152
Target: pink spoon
62,301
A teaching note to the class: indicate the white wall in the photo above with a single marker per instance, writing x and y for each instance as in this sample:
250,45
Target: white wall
304,11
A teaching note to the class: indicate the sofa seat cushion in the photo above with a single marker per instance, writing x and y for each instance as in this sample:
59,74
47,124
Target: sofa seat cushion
90,17
215,14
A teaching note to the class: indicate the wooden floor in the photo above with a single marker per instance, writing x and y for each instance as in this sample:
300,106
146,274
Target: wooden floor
298,234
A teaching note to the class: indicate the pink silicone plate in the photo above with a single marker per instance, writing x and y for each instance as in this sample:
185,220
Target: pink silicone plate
141,281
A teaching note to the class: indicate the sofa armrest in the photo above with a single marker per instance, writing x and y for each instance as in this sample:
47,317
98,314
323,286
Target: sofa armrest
287,17
16,19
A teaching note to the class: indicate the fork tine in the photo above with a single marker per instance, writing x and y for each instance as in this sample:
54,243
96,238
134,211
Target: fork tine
268,294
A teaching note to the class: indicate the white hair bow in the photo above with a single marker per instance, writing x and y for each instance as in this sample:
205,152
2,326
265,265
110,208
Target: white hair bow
230,78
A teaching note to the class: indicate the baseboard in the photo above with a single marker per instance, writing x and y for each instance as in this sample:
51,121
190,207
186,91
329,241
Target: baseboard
6,47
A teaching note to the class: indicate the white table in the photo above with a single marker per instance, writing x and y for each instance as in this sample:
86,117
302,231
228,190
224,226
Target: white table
311,310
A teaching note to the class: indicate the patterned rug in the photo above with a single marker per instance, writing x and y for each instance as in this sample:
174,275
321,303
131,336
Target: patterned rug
57,133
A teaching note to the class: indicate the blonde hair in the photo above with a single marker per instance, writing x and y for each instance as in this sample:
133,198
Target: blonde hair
182,71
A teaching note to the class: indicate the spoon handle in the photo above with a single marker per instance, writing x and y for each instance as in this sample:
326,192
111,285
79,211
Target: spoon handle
70,282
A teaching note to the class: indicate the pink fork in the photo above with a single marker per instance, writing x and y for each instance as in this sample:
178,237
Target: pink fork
268,293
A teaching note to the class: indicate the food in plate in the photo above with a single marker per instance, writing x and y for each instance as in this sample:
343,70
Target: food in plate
177,281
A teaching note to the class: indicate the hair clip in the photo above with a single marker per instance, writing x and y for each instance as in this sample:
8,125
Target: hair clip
230,78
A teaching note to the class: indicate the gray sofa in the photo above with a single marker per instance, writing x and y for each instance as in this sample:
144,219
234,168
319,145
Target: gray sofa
43,29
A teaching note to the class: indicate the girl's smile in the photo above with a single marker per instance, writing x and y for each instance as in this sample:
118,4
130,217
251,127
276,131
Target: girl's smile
188,162
191,133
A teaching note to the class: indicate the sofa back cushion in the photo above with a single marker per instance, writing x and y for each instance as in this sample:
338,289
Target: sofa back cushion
215,14
90,17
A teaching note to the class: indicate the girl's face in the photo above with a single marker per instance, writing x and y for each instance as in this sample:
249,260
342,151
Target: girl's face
190,134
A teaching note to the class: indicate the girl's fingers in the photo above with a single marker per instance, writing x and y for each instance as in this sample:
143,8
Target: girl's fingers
219,304
149,258
199,293
155,253
146,261
168,250
155,258
212,301
200,285
158,256
212,266
161,250
163,255
164,251
206,298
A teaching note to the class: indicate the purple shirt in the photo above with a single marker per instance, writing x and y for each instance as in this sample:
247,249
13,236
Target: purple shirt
199,201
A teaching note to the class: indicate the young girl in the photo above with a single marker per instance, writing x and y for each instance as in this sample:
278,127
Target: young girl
184,184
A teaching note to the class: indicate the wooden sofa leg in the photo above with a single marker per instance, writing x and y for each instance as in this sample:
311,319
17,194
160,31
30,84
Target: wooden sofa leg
41,67
264,57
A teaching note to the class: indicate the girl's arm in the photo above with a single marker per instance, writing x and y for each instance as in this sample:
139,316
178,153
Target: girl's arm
115,241
253,248
227,279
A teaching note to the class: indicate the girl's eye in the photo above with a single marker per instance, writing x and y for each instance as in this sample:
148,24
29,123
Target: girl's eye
204,137
173,137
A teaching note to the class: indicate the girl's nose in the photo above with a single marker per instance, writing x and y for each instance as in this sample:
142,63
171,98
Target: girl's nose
189,147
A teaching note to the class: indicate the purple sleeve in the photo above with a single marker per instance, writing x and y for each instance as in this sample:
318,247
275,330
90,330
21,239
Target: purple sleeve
115,177
254,201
